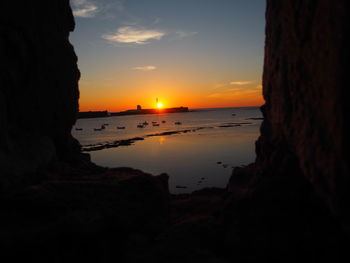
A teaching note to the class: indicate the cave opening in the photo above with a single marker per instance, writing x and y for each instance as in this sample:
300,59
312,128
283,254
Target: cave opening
290,205
171,54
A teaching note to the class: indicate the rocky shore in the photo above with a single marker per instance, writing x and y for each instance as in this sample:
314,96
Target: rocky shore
291,205
125,215
130,141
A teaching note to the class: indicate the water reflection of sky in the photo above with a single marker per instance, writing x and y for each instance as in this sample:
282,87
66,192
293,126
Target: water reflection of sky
187,158
198,118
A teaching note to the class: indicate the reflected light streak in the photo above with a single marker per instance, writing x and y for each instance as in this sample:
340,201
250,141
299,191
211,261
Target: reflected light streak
161,140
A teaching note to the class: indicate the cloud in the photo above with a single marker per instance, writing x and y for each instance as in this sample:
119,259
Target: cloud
87,12
220,85
233,85
84,8
114,10
229,93
145,68
183,34
129,34
240,83
252,89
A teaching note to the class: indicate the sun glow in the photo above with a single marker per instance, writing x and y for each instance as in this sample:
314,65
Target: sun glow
159,105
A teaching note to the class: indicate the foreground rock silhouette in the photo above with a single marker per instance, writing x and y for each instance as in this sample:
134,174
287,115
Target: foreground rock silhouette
292,204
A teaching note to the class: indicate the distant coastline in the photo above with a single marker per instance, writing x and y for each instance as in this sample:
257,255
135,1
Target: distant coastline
138,111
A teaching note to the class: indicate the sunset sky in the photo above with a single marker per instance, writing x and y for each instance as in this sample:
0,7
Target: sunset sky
195,53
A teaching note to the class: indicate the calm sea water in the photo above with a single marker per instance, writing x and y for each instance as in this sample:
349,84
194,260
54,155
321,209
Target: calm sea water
201,158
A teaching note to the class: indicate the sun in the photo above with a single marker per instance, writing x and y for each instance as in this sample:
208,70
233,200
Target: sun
159,105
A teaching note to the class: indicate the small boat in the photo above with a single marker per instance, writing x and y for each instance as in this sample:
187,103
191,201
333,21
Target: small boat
145,123
97,129
103,127
155,124
233,114
140,126
120,127
78,129
178,123
163,121
105,124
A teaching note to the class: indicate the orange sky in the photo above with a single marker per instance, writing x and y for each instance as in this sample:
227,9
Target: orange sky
186,54
121,99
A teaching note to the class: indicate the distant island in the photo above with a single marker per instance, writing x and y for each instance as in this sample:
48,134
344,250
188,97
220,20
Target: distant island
137,111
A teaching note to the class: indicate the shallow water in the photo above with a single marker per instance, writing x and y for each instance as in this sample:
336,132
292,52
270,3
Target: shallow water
197,159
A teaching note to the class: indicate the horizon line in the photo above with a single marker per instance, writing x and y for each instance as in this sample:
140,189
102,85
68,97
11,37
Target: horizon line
251,106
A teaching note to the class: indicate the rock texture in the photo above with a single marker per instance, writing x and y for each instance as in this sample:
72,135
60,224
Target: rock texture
305,85
293,202
83,217
38,87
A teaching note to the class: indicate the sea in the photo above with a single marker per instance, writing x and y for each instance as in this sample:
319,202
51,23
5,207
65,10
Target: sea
197,149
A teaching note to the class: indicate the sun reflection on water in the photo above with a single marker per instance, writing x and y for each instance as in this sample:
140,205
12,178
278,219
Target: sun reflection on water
161,140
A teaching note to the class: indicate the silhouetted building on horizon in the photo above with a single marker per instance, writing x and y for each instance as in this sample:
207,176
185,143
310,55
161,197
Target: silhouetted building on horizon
150,111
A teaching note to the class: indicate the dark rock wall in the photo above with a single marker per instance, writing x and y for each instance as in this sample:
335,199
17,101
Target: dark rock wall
305,86
38,85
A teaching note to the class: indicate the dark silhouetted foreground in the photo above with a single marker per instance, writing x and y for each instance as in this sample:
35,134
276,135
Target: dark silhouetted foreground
291,205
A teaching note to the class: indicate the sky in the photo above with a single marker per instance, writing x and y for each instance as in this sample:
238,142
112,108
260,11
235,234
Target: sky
194,53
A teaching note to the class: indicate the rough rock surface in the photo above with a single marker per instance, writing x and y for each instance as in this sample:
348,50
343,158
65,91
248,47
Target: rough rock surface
83,217
293,202
38,87
304,85
55,205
